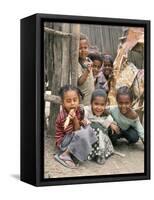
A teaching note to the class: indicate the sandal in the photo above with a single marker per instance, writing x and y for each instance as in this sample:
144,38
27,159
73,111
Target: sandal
63,160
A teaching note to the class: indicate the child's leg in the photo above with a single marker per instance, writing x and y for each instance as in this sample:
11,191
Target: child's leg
131,135
81,144
114,137
64,156
103,148
65,159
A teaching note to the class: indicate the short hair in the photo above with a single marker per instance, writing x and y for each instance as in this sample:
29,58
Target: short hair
68,87
124,90
98,92
95,56
84,37
107,58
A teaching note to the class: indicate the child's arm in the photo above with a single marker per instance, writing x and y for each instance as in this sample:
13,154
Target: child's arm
104,122
84,76
85,121
76,123
59,132
137,124
74,119
139,128
115,128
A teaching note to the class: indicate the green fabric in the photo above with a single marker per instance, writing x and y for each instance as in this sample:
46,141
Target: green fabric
124,123
96,125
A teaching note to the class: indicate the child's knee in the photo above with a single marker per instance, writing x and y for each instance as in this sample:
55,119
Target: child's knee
133,138
114,138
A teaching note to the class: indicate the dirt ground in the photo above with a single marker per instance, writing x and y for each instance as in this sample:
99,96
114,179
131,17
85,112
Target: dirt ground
133,162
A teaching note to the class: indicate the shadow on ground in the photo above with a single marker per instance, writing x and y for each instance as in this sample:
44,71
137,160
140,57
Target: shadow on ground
16,176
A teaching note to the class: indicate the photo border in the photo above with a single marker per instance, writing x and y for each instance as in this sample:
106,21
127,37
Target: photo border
32,91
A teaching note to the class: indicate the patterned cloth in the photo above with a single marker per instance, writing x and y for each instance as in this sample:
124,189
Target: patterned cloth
103,148
101,82
79,143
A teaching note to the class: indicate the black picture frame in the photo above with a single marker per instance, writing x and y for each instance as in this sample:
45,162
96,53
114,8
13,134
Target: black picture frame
32,99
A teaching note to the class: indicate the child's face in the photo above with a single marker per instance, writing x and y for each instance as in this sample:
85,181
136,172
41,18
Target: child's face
83,49
96,67
124,103
107,68
98,105
70,100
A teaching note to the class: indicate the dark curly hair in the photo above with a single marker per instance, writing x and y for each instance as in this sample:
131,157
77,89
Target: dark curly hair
95,56
107,58
98,92
124,90
68,87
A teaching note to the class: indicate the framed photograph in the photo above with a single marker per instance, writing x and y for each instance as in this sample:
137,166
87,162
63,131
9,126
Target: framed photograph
85,99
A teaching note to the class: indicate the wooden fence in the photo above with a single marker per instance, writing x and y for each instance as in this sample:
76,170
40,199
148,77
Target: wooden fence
61,47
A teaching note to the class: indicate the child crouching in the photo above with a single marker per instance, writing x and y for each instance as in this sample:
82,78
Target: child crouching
100,121
71,139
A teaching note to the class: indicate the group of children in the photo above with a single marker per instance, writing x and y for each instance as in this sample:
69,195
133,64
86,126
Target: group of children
89,132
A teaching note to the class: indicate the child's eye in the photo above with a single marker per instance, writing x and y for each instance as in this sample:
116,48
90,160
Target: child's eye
97,104
68,101
107,66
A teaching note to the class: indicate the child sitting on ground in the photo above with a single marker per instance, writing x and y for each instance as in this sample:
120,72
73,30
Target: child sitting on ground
100,121
72,140
127,119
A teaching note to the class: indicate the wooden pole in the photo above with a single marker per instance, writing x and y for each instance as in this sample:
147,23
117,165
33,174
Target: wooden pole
74,52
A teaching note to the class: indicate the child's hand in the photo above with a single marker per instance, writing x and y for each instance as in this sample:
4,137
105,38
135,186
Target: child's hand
84,122
72,114
115,128
89,66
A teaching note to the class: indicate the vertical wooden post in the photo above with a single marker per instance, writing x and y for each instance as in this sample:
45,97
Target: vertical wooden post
74,52
65,55
61,52
56,56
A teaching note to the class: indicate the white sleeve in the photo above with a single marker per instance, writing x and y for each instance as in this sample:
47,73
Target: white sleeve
107,122
86,112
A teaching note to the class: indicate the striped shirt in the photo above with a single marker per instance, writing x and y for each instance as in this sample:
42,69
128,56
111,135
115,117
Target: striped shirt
60,132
